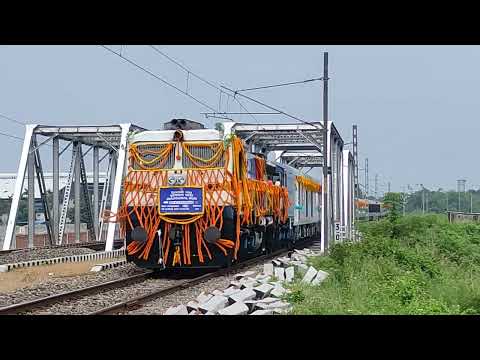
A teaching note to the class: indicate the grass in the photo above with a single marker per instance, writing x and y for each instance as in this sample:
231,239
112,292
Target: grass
413,265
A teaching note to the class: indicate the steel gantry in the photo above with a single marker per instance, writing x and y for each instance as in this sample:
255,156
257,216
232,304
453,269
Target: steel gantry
302,146
112,140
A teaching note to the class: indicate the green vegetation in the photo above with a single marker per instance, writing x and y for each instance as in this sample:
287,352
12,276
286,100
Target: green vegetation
437,201
404,265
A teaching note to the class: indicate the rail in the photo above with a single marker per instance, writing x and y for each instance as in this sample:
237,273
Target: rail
94,289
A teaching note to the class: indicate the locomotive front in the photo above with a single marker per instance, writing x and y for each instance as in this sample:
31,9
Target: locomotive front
178,198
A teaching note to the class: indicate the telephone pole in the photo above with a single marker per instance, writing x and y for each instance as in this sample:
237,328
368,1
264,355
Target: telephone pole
376,186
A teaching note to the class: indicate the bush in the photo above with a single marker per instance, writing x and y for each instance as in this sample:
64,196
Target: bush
417,264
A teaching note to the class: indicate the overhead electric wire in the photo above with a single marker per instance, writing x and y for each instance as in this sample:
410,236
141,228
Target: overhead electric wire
11,136
245,109
270,107
211,84
278,85
204,80
235,93
188,70
242,113
159,78
12,120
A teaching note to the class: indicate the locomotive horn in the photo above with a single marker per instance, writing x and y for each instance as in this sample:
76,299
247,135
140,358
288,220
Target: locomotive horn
212,234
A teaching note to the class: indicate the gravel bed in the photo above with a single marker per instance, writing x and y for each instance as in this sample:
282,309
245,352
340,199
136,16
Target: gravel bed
60,285
159,306
38,254
87,304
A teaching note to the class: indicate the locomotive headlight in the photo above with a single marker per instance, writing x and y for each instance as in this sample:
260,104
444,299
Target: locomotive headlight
172,180
181,180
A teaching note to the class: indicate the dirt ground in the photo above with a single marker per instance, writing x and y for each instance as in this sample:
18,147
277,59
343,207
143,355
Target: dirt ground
20,278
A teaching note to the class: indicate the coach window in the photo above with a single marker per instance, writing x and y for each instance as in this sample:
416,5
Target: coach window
306,203
311,204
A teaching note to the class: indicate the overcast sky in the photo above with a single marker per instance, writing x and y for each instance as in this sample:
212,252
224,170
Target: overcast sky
416,107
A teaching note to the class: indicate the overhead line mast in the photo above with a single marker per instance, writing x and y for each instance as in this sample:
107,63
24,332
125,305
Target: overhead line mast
325,225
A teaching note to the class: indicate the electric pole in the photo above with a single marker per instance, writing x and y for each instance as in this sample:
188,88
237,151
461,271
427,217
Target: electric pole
471,202
355,160
460,188
366,178
326,225
426,201
376,186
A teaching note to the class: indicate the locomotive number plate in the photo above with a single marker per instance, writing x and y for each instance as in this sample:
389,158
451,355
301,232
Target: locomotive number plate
181,200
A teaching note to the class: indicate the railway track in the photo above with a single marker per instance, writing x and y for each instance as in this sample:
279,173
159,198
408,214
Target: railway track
41,303
137,302
102,299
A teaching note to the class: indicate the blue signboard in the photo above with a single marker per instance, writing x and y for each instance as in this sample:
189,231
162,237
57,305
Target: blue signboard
181,200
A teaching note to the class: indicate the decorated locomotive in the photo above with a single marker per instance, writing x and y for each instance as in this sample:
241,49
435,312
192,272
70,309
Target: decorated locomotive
195,197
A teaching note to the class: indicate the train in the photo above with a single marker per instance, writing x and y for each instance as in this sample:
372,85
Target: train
370,209
196,197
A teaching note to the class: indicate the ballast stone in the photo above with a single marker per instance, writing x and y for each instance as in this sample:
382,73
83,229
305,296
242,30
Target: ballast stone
289,273
273,306
321,276
284,261
260,277
192,306
203,298
268,269
235,284
251,304
278,291
280,273
217,292
262,312
267,300
310,275
276,263
243,295
249,283
298,257
215,304
263,290
243,275
177,310
230,291
237,308
265,280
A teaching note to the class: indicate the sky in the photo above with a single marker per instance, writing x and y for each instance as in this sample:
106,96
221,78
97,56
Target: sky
416,107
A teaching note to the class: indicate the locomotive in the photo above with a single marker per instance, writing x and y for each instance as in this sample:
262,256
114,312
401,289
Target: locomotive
194,197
